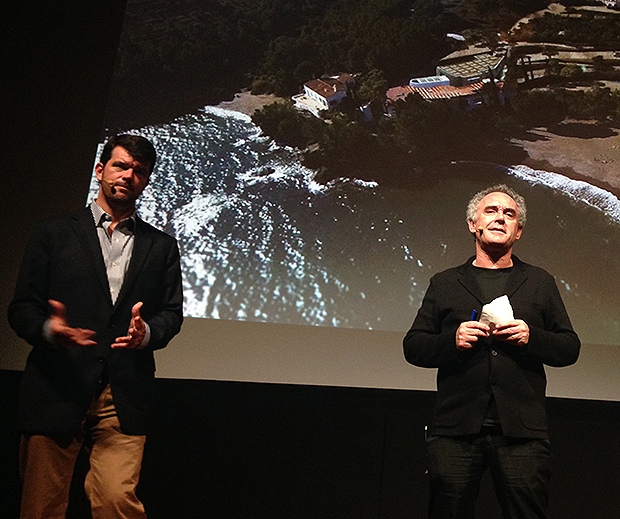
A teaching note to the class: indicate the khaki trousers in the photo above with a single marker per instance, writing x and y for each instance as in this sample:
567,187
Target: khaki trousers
47,463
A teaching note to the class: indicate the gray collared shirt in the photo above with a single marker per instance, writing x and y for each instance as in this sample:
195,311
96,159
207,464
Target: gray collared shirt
116,247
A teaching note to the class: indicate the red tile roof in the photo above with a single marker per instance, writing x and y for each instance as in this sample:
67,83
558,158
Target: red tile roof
438,92
325,88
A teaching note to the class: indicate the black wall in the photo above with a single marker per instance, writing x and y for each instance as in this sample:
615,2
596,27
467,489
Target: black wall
241,450
226,449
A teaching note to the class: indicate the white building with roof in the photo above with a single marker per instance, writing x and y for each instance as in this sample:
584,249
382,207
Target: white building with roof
324,93
464,76
469,96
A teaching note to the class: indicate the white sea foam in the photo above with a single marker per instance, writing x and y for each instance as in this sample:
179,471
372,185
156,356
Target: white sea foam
578,190
371,184
223,112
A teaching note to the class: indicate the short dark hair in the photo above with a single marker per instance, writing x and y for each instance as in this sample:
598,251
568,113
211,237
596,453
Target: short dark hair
472,207
137,146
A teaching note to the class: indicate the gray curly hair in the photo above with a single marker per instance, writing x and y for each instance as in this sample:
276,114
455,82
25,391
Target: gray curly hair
472,207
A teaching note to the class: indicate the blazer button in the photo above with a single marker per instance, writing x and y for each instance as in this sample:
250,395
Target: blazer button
494,353
100,359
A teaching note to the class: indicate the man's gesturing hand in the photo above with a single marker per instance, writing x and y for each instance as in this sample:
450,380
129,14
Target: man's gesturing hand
62,333
136,332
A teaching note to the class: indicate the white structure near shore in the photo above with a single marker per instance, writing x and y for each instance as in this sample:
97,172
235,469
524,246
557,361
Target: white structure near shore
324,94
470,77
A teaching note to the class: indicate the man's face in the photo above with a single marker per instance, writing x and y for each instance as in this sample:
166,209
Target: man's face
122,178
496,226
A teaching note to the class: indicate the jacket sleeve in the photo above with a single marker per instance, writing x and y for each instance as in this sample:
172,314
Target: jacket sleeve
552,338
166,322
431,340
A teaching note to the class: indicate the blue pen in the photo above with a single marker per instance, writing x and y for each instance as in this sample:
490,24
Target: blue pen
473,315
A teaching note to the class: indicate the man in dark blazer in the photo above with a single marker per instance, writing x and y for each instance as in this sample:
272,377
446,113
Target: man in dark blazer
490,407
98,292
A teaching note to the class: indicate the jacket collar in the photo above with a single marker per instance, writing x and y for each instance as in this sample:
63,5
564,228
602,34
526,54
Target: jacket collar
466,276
87,234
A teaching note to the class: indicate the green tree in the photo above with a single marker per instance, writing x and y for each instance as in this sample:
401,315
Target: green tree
599,64
539,107
571,71
287,125
552,67
373,86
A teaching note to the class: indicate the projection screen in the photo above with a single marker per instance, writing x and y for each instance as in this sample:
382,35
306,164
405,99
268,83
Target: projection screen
292,279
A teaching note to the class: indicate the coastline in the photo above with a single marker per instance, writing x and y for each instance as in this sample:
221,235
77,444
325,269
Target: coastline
247,103
579,150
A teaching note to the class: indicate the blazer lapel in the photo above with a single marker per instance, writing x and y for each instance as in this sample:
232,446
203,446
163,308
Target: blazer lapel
468,280
517,277
87,234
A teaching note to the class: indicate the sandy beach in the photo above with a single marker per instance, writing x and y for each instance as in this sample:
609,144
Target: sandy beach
247,103
581,150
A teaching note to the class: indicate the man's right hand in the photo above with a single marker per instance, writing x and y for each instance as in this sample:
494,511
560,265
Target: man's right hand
468,334
63,334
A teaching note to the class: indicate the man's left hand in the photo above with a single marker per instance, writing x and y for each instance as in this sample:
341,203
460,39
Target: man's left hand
515,332
136,332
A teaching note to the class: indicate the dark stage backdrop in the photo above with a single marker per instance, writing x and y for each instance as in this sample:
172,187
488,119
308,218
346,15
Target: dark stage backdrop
270,451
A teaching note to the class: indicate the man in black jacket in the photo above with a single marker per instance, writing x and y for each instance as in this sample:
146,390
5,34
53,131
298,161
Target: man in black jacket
97,293
490,408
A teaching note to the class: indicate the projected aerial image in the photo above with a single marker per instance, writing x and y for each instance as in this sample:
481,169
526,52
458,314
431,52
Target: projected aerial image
316,158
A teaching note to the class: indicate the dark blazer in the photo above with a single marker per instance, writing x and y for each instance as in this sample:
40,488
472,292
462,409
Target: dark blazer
514,375
63,261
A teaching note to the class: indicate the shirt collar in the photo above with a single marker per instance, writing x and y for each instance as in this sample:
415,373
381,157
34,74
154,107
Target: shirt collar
100,217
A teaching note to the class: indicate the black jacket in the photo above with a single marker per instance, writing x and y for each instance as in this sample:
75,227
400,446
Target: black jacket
63,261
513,374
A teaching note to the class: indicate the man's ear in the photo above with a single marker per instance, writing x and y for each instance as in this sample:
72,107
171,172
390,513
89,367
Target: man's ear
472,226
99,170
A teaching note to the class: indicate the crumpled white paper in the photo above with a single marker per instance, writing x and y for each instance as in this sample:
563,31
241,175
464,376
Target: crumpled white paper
497,311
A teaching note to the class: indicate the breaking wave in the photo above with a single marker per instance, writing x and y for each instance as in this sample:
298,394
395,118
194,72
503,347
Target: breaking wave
578,190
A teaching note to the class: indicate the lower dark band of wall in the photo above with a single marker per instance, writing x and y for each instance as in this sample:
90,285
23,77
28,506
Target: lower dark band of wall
242,450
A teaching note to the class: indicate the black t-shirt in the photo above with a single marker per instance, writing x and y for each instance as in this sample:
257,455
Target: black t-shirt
493,285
